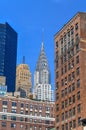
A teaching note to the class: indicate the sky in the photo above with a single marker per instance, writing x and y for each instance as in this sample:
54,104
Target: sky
32,19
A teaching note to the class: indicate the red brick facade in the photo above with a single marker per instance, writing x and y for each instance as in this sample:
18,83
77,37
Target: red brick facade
70,74
25,114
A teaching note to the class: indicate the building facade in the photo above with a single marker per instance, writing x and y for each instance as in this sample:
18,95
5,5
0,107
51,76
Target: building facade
70,74
8,52
42,86
23,80
25,114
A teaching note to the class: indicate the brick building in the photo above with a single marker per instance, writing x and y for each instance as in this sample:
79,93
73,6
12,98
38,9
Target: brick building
25,114
70,73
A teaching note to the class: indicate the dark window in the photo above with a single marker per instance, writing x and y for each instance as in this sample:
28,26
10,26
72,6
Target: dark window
66,114
62,116
79,108
4,102
57,107
22,104
78,71
21,119
56,44
14,104
79,121
72,31
4,117
13,118
78,95
74,112
13,125
62,71
73,75
62,82
66,126
70,125
65,91
77,47
69,66
69,89
66,103
74,124
78,83
73,87
3,124
76,26
57,118
62,93
62,104
70,113
62,127
57,96
73,98
69,77
77,59
57,86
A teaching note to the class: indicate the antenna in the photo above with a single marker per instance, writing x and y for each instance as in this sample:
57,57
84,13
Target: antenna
43,35
23,59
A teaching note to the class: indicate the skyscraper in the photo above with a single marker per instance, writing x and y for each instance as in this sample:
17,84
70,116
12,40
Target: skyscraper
42,86
23,80
70,74
8,52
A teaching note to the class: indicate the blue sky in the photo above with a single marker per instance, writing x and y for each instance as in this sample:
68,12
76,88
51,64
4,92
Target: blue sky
29,17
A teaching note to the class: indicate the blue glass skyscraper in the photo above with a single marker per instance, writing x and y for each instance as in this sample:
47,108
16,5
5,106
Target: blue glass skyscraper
8,54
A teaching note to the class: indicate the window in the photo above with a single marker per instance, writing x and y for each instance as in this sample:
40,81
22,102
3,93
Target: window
79,121
26,105
73,75
62,82
4,109
72,42
76,26
65,91
73,87
62,104
14,104
13,111
57,74
66,126
78,71
70,113
4,117
78,83
3,124
74,123
62,127
74,111
69,88
69,77
21,119
70,125
72,31
78,95
56,44
22,104
4,103
66,114
57,107
57,85
13,125
73,99
13,118
62,116
57,118
77,59
69,66
65,68
79,108
66,103
70,100
77,47
57,96
62,93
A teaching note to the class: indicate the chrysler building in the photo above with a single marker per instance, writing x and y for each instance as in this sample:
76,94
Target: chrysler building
42,86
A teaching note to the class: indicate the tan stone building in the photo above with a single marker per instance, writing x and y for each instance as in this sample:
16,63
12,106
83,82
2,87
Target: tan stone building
23,80
25,114
70,73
